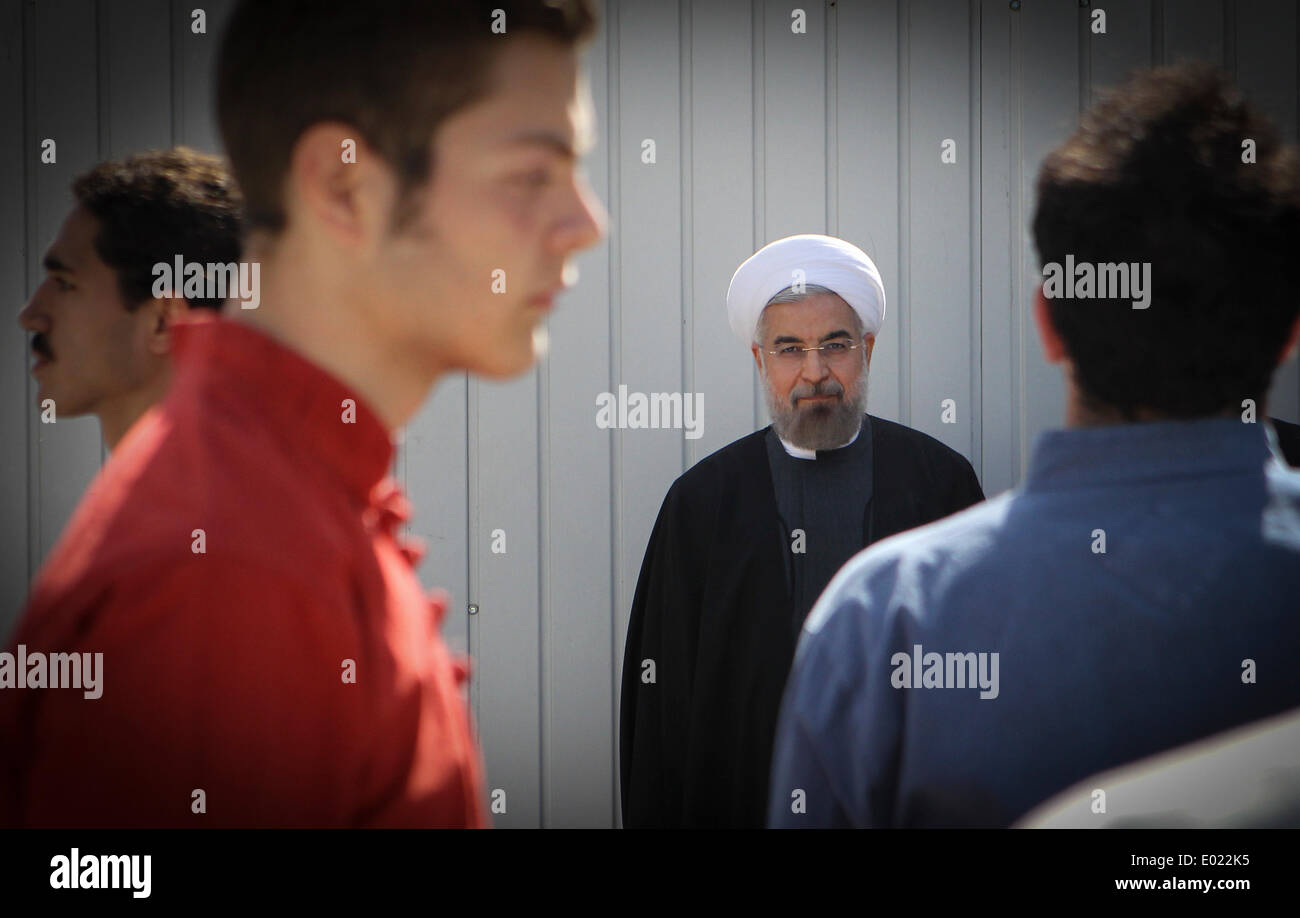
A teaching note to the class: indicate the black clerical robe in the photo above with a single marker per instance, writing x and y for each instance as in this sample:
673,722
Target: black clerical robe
1288,440
710,623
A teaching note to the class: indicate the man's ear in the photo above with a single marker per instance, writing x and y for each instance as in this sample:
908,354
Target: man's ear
164,311
758,358
870,344
1053,346
340,183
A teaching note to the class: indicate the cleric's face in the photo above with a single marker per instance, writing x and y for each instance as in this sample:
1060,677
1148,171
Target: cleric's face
816,397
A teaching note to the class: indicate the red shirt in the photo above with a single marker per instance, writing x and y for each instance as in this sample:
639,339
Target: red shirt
226,651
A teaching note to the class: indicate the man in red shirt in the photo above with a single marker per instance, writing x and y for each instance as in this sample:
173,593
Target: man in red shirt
268,656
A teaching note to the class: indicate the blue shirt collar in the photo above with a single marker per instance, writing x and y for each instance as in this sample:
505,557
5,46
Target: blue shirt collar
1131,453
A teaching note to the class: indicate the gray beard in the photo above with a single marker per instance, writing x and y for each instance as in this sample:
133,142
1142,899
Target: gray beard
820,425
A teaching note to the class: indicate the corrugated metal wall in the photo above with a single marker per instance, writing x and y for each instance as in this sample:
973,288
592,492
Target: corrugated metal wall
759,132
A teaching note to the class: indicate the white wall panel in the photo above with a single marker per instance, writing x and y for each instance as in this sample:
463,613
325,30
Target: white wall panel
646,304
942,306
866,169
1046,62
579,618
721,216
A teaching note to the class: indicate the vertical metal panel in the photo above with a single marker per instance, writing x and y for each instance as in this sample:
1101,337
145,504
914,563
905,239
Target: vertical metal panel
794,129
722,216
649,290
1266,58
1266,48
1193,29
1125,45
1049,93
973,448
504,633
866,169
135,83
61,78
433,466
579,624
194,117
18,158
613,177
939,244
1003,238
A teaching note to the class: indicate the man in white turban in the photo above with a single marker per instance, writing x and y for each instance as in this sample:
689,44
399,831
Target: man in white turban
748,537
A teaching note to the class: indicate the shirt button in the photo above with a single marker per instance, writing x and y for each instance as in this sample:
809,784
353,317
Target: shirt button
412,550
461,667
438,602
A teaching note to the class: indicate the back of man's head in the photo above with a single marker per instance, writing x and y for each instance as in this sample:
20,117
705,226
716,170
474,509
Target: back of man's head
153,206
1173,169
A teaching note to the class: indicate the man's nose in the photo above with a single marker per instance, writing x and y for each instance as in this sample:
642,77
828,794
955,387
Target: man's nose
814,368
587,223
29,317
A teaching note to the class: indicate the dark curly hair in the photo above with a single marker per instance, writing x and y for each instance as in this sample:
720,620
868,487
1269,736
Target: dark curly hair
1155,174
154,206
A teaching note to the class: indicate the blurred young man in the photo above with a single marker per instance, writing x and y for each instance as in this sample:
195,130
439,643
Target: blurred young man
269,658
99,334
1139,590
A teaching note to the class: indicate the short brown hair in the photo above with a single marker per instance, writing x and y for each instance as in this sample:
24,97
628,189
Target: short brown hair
393,69
154,206
1155,174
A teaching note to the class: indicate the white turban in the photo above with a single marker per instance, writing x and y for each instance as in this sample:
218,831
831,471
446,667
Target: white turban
824,260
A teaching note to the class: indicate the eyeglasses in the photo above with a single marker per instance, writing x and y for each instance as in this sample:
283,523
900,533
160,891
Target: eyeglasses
834,352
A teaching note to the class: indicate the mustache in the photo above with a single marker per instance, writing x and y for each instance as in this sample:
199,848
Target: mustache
41,346
808,390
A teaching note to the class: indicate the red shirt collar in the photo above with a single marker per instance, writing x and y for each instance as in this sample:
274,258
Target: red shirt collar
230,361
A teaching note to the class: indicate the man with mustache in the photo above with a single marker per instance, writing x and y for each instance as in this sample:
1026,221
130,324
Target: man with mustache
100,337
748,537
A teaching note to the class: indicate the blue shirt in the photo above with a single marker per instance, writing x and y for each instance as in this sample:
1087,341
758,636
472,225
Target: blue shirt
1139,591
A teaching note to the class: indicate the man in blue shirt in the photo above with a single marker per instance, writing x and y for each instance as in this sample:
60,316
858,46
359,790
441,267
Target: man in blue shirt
1141,588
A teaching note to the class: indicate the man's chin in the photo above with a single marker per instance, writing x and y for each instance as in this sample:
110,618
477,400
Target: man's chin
827,428
811,418
505,363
